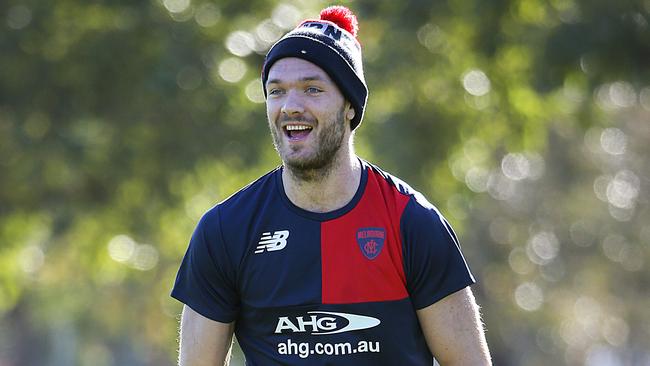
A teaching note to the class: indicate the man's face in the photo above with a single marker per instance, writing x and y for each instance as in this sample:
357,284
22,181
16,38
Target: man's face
306,113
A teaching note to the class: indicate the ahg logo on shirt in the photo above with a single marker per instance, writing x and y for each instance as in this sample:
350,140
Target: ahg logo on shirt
273,242
325,322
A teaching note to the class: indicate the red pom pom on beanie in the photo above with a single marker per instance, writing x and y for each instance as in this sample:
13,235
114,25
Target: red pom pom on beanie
341,16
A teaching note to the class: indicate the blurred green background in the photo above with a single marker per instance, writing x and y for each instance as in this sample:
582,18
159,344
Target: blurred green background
527,122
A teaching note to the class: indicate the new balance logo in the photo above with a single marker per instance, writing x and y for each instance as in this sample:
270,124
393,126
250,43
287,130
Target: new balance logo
273,242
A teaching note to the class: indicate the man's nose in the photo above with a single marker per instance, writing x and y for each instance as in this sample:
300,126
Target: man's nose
292,104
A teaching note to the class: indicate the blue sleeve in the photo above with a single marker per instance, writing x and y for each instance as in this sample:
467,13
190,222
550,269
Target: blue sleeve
206,279
433,262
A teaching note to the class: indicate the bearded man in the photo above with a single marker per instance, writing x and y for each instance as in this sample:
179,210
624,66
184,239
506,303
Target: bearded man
326,260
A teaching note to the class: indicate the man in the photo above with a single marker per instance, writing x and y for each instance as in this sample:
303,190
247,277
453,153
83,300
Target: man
327,259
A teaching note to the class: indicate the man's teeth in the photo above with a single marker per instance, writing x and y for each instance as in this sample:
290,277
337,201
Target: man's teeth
297,128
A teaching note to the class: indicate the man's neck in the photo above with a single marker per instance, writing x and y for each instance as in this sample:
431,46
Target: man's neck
327,190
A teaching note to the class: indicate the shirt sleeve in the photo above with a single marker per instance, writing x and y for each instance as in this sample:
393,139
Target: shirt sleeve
206,279
433,262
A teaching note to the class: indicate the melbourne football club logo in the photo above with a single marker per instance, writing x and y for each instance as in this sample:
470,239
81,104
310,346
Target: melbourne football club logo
371,241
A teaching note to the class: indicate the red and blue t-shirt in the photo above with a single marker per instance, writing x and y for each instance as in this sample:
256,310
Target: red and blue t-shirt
335,288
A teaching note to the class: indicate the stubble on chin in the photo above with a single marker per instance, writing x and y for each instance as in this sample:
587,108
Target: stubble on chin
321,161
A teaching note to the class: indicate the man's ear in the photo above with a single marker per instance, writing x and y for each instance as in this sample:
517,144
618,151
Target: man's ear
350,113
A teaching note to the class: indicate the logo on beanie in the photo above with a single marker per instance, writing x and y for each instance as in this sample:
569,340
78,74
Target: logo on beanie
334,33
327,29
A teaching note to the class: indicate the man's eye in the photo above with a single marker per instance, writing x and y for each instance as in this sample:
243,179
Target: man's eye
313,90
275,91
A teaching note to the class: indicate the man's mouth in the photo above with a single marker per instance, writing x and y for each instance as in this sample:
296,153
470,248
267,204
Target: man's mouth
297,132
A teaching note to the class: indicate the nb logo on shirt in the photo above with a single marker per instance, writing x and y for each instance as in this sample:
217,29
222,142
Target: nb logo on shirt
273,242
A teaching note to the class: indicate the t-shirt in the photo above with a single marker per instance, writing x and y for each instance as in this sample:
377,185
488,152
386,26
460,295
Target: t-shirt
335,288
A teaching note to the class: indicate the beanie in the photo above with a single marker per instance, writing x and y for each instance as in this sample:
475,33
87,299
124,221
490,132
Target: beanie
329,42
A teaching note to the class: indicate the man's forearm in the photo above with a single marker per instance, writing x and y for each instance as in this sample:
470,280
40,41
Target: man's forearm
203,342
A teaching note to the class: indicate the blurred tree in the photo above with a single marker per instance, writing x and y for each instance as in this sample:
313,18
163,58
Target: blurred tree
526,121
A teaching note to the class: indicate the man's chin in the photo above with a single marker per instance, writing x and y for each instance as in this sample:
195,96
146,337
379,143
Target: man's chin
300,163
305,163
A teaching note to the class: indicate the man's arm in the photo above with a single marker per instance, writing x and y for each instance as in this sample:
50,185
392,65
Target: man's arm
453,330
204,341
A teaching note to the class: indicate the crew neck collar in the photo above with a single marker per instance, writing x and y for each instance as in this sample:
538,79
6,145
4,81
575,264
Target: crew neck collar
324,216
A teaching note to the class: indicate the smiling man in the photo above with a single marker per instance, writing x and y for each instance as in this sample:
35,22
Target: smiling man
326,260
307,112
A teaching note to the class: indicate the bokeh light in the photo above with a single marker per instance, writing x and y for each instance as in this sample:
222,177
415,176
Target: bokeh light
123,249
529,296
232,69
476,179
476,82
432,37
286,16
176,6
31,259
254,91
519,262
623,190
613,141
240,43
542,247
620,94
268,32
19,17
207,15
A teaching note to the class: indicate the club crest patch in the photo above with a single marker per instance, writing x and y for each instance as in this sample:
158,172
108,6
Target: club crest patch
371,241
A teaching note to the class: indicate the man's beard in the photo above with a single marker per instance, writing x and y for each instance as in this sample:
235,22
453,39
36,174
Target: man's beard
320,163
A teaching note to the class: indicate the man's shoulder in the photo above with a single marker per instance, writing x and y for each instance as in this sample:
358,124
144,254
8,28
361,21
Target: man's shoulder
399,186
420,217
